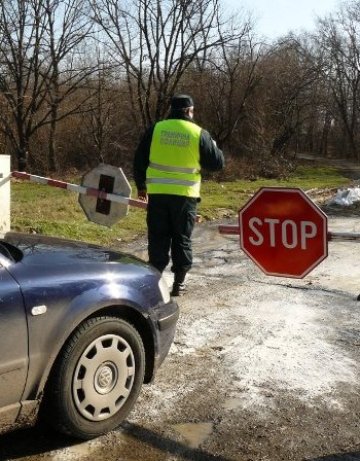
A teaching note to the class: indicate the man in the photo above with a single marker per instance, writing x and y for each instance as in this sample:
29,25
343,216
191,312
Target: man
167,168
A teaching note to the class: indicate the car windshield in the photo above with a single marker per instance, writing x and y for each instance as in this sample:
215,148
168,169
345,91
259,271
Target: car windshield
10,251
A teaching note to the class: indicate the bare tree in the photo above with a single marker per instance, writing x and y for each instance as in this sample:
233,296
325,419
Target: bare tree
228,78
290,91
155,42
279,108
103,108
41,67
339,52
22,88
68,28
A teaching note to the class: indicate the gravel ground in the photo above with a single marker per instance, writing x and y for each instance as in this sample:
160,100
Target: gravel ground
262,368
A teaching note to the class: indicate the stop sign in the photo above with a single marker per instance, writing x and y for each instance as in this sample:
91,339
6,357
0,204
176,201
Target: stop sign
283,232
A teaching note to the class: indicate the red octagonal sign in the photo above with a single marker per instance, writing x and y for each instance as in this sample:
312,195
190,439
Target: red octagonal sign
283,232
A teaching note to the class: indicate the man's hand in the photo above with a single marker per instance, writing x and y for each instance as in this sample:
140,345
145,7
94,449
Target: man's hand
142,195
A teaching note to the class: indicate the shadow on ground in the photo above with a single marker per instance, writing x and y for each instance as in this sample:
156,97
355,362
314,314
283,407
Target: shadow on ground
354,456
37,442
169,446
29,442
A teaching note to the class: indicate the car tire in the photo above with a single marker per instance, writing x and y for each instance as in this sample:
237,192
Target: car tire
97,378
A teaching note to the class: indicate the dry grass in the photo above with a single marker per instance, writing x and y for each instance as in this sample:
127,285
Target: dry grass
51,211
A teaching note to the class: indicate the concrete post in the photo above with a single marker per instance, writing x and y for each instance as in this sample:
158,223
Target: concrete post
4,194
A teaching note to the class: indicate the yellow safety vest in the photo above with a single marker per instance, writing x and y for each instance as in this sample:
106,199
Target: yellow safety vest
174,164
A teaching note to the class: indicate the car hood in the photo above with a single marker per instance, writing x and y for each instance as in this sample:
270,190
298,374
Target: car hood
44,250
70,268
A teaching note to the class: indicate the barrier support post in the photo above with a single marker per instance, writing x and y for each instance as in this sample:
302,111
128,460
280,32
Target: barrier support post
4,194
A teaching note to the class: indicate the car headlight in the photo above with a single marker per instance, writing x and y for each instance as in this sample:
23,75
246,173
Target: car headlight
164,290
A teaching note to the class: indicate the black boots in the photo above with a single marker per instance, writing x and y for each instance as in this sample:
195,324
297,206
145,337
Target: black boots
178,289
178,286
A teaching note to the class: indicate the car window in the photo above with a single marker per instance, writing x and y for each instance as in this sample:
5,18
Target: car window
10,252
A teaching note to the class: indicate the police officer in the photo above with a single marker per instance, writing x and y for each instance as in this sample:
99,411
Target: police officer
167,168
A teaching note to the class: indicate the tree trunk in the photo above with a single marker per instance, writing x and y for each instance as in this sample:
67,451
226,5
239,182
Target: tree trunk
22,154
52,163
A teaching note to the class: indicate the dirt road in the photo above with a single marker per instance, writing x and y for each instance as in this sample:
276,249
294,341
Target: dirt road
262,368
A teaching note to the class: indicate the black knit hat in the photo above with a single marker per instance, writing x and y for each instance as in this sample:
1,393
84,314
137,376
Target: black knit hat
181,101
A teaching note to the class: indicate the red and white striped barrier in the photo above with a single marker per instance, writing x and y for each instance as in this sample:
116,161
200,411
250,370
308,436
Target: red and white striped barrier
90,191
84,190
233,229
117,198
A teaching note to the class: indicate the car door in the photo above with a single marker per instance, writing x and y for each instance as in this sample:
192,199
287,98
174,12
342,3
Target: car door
13,341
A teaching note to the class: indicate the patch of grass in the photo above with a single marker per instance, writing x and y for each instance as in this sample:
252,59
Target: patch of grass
221,199
56,212
46,210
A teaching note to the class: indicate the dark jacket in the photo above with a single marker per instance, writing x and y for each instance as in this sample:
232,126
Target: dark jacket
211,157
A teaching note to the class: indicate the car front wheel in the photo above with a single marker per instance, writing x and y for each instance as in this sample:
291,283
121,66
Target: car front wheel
98,377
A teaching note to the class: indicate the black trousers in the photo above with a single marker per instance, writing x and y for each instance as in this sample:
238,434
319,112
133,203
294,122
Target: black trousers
170,221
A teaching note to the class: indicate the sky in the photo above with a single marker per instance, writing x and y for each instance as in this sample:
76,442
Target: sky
274,18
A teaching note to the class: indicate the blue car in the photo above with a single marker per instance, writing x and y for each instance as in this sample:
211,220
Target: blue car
81,329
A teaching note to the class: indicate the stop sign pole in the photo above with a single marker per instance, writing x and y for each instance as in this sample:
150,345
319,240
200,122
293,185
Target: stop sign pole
282,231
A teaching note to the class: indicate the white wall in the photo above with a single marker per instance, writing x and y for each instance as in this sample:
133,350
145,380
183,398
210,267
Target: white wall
4,193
